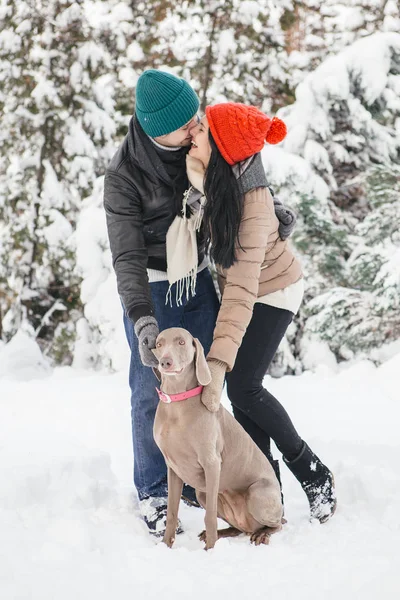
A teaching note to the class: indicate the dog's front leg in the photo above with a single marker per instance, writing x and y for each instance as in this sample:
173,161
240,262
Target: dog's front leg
175,485
212,473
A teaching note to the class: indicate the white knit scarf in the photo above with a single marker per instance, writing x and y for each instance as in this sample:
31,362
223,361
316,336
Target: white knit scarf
181,241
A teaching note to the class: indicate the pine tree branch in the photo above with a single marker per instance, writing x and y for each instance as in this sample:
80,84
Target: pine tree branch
209,62
58,305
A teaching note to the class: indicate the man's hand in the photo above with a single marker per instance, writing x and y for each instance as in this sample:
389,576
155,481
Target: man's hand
211,395
146,330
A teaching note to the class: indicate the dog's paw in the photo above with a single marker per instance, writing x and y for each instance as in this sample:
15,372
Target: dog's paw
209,540
168,540
203,536
260,537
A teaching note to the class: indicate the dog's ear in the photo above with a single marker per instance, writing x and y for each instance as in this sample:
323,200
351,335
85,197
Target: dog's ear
156,373
154,369
202,371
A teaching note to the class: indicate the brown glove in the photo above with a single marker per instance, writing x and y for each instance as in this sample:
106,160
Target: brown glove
211,395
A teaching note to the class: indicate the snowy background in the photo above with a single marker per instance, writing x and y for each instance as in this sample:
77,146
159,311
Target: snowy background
69,523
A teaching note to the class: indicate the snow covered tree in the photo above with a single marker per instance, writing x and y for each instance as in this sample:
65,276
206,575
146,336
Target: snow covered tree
56,105
68,70
344,117
228,49
345,22
314,30
345,125
244,58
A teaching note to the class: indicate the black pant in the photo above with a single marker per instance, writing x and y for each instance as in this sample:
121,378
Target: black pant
258,411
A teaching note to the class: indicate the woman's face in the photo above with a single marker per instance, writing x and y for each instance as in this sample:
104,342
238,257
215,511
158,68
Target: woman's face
201,147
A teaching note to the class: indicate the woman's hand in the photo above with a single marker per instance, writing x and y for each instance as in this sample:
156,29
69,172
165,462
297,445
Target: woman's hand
211,395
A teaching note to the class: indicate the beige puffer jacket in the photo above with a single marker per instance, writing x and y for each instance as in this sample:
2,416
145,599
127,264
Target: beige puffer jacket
264,265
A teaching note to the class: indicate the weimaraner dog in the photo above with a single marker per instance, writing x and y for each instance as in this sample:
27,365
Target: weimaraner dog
209,450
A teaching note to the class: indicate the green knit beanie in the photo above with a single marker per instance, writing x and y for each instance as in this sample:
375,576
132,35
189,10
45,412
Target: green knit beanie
164,102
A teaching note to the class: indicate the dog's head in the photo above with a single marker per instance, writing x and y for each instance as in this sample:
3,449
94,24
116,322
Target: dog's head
178,352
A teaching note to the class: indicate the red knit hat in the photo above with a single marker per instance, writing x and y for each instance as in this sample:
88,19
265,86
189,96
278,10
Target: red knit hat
241,131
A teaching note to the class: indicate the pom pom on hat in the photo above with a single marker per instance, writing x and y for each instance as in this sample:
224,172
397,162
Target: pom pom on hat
240,131
277,131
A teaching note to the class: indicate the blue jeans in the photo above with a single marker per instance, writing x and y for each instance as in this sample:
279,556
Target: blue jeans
198,315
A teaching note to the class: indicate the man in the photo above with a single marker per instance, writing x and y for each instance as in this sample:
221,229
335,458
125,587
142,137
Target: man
143,192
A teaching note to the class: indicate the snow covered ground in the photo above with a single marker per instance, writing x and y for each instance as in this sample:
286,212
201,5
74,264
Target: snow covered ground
69,521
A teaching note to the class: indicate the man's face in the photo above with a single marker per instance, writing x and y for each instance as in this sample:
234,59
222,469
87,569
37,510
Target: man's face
180,137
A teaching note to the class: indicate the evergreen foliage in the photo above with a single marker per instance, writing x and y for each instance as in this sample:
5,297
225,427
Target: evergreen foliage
68,70
56,130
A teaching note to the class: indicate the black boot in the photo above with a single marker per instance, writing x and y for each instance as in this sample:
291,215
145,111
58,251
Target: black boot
317,482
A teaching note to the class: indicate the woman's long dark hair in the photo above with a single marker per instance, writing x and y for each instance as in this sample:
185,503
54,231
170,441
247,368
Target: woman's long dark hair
223,210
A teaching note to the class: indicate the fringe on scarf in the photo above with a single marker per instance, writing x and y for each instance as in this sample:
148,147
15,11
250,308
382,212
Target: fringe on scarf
184,287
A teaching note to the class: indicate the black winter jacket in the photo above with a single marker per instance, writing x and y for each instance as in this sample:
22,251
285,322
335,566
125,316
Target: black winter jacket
141,201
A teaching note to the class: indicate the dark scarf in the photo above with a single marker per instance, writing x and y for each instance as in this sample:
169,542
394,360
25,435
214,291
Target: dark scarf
167,165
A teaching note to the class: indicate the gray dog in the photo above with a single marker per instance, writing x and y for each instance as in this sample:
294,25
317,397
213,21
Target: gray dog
209,450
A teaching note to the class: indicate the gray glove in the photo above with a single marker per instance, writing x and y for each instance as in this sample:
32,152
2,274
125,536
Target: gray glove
286,217
146,330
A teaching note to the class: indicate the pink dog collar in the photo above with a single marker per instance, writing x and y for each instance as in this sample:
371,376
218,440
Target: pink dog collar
167,398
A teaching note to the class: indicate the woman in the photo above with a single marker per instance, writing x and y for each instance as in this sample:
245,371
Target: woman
260,281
